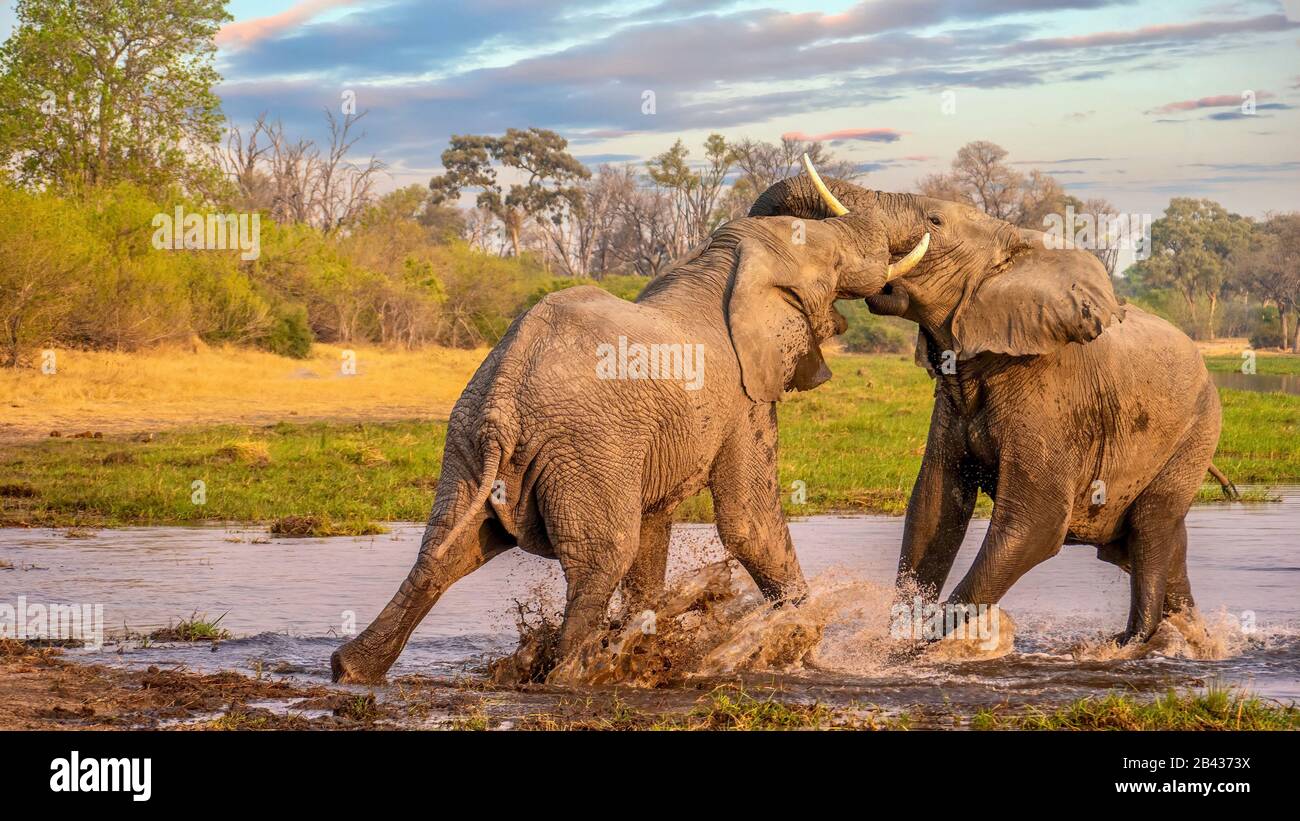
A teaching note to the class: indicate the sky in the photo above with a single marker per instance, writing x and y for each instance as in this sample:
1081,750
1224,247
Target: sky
1132,101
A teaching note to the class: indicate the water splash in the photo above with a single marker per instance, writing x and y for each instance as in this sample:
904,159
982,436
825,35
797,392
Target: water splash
714,622
1185,635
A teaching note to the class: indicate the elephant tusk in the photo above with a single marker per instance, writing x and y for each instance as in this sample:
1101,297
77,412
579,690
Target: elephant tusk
907,263
836,208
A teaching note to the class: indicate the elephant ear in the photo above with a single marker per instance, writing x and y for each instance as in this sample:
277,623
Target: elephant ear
769,315
1037,302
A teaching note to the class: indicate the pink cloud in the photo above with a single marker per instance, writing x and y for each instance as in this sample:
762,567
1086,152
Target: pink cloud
874,135
917,157
1158,33
1217,101
246,32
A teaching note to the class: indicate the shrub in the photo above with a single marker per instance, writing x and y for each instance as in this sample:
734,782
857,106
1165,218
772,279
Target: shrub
290,334
1266,328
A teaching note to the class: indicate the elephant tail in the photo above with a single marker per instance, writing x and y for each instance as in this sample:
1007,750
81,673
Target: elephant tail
492,453
1229,489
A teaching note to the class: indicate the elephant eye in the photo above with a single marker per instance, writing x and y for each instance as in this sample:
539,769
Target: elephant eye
935,219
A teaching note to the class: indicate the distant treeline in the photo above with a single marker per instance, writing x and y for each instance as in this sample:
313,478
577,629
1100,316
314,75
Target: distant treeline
84,272
96,158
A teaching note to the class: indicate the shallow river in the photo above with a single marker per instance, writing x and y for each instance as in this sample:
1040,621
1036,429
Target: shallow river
286,602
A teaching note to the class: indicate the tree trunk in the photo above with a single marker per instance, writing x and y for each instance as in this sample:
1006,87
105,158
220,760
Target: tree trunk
1214,304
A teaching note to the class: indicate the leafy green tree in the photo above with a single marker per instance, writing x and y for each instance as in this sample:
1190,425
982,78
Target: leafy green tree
1191,249
95,92
550,190
1270,268
45,254
694,194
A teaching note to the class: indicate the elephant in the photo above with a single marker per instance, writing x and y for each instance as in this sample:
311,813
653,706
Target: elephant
566,444
1088,422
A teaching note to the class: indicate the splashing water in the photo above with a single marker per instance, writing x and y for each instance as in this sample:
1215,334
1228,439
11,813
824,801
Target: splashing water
1185,635
714,622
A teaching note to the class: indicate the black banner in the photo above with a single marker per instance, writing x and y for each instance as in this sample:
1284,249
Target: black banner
135,772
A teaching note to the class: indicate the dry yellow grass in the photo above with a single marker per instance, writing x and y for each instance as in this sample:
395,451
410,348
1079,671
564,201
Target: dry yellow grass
189,386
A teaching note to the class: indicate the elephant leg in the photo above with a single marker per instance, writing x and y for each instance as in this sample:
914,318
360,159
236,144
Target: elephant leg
1158,584
645,579
1178,587
747,502
938,514
595,537
1021,534
593,567
366,658
1157,541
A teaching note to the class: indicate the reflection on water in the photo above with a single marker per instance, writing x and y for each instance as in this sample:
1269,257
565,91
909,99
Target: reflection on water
287,602
1258,382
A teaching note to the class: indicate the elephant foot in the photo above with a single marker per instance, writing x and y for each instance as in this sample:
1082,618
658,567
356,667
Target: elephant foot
1127,637
347,667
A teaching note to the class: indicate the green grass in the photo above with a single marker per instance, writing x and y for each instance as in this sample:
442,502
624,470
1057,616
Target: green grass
1218,708
328,474
731,708
726,707
1265,363
856,444
195,628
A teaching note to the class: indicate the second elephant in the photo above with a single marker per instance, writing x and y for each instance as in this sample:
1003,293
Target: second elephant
1087,422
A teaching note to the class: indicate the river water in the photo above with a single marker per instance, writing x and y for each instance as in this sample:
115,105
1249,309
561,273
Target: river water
1258,382
287,603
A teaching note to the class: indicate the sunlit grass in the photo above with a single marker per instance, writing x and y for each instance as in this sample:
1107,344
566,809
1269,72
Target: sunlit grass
174,387
1217,708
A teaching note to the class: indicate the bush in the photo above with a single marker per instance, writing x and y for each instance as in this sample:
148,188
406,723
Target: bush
624,286
1266,328
290,334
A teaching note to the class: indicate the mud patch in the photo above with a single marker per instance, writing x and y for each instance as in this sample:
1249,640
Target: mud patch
41,690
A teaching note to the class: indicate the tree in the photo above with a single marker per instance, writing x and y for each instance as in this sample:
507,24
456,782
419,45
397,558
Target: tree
1103,216
101,91
45,253
981,177
693,194
762,164
1270,267
550,189
1191,246
992,186
295,180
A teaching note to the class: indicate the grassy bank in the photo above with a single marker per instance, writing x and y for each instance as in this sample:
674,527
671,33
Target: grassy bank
1272,364
856,444
1212,709
730,707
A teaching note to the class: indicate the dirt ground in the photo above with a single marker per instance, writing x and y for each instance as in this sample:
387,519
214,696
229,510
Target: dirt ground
41,689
